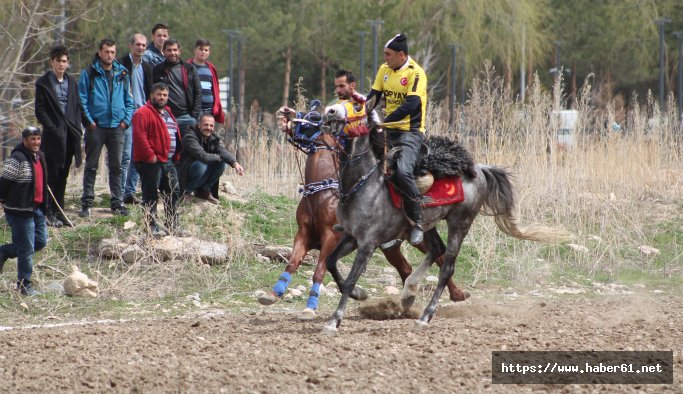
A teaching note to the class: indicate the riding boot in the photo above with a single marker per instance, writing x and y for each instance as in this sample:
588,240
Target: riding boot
413,210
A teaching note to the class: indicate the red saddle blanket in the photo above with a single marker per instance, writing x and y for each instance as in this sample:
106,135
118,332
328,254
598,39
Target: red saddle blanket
444,191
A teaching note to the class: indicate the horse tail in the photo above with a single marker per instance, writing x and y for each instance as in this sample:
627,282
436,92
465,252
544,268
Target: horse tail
500,203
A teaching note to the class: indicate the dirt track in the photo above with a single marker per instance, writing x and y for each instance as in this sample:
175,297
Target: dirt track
271,351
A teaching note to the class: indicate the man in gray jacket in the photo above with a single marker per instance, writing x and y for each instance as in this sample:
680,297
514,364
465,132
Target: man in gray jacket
203,160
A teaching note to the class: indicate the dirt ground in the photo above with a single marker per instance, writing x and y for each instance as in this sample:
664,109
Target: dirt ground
268,350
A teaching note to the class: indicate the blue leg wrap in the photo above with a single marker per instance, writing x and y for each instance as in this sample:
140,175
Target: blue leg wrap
282,283
313,296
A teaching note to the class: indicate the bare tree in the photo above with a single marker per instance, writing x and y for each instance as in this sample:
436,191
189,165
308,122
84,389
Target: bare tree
27,28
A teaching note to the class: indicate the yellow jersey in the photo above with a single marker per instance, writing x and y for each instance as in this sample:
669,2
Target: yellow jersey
409,80
356,118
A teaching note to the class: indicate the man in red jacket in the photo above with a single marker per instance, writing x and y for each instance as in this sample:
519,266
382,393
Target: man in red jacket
156,145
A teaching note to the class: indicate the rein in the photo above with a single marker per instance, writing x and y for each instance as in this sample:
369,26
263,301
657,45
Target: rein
309,147
344,197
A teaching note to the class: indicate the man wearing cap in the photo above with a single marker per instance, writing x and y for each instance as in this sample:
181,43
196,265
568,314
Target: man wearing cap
404,85
23,192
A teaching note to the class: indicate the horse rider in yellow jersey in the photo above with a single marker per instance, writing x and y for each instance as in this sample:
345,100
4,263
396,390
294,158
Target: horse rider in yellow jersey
404,85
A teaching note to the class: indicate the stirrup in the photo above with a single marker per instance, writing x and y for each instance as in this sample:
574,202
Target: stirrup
416,235
391,244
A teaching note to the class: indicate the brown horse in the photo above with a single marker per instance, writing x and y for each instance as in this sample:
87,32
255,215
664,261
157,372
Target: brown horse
316,213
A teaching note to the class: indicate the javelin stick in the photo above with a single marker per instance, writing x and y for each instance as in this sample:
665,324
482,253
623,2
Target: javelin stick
59,207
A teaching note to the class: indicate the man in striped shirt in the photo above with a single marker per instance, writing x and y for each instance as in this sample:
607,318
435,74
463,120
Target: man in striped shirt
211,99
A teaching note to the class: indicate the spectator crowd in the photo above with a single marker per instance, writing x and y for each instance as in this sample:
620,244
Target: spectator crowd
153,111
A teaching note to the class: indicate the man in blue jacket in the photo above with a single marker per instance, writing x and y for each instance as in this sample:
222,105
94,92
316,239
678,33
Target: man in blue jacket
104,88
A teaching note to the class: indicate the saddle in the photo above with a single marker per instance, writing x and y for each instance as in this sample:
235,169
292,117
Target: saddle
439,168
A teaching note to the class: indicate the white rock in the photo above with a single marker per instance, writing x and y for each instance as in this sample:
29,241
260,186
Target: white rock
649,250
111,248
55,287
132,253
262,258
172,248
276,252
228,187
295,292
567,290
78,284
129,224
258,293
301,288
431,279
392,290
578,248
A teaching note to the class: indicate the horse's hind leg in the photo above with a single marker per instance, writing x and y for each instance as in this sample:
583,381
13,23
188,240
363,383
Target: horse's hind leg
359,263
455,238
433,248
437,244
398,261
298,252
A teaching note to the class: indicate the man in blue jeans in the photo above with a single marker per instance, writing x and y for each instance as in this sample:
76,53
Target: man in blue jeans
203,160
140,84
104,88
23,192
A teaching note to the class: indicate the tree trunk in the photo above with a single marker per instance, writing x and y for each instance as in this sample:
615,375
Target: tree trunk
288,72
572,88
508,76
323,75
530,70
240,112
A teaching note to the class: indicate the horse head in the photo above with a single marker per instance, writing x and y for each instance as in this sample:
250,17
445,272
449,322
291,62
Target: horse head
303,128
347,119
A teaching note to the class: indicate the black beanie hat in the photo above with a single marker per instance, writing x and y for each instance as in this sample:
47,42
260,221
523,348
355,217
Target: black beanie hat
399,43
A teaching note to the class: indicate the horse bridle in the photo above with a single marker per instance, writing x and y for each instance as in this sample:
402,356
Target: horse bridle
344,197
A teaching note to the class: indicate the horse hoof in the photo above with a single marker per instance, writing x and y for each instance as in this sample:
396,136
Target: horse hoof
421,325
307,314
359,294
330,329
460,296
407,302
268,299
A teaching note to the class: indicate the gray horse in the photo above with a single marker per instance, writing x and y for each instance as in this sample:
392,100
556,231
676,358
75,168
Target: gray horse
369,219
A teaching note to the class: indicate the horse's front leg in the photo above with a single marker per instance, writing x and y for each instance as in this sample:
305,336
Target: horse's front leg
346,245
328,241
359,263
298,252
